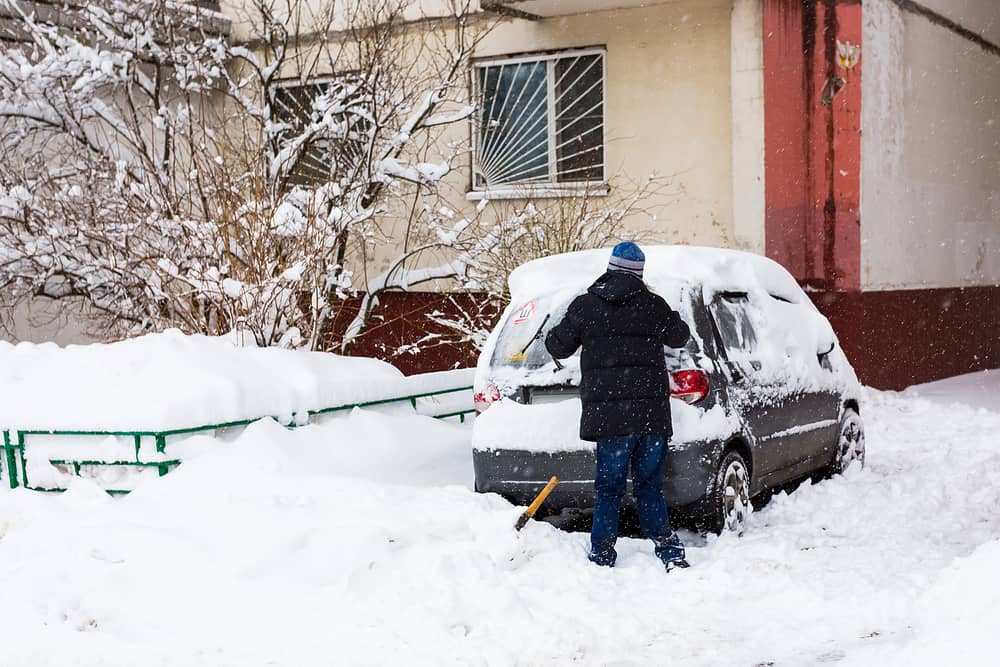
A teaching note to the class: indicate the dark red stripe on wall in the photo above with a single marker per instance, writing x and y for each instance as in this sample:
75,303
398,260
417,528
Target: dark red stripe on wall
903,337
893,338
402,332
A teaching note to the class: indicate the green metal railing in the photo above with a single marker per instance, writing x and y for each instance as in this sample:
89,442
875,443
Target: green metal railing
13,462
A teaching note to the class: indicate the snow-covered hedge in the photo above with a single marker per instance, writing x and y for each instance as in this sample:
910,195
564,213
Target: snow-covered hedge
171,380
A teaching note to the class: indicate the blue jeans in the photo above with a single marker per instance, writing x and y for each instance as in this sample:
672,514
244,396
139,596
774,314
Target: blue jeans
647,456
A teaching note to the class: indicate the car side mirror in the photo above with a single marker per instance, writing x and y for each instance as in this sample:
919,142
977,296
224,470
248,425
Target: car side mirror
821,352
735,373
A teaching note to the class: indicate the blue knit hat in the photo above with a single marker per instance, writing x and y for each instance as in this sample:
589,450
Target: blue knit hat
627,257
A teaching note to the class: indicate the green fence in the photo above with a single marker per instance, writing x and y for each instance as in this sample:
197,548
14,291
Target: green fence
13,462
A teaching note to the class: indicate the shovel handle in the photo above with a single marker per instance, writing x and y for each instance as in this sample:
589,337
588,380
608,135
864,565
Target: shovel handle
536,503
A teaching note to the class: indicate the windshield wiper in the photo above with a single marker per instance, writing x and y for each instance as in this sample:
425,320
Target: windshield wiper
537,335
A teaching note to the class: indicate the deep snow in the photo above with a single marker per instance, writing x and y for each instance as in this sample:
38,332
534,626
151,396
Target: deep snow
358,541
172,380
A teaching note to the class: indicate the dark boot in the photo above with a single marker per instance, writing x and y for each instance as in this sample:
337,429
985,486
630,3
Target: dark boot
670,550
604,558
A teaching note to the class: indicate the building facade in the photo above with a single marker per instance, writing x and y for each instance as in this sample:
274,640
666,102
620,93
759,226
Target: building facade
857,142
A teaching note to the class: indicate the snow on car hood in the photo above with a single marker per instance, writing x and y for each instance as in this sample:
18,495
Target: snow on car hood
554,427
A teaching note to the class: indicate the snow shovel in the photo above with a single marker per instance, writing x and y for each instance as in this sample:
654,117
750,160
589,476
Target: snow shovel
536,503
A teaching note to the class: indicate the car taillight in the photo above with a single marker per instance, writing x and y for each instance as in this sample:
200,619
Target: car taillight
485,398
689,386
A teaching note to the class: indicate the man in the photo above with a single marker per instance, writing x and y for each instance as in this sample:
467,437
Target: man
623,327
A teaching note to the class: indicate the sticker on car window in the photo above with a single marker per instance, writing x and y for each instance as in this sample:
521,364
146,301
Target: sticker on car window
523,315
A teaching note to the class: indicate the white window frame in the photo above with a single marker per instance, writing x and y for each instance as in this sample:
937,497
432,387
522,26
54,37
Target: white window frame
550,187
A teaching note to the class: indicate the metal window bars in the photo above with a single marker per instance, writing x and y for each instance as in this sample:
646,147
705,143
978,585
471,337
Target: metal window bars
542,119
13,462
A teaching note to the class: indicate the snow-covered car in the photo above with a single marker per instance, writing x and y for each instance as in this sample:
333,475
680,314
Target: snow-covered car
761,395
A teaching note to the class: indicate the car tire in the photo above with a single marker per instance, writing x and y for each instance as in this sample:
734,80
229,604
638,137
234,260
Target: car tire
850,446
730,498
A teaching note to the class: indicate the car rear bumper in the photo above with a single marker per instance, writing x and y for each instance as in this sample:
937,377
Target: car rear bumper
519,475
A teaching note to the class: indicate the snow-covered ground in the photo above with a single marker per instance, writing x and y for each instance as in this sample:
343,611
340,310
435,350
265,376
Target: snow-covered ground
359,542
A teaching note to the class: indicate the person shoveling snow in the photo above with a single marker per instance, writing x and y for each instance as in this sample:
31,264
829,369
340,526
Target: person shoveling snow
623,327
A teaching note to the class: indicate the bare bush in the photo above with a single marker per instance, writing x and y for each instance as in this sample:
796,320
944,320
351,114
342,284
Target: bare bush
171,176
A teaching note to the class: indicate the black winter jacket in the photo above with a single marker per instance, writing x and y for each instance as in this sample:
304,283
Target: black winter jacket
623,328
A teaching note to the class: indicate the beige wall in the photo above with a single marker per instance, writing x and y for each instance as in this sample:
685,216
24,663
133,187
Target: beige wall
668,108
672,80
308,16
42,320
930,195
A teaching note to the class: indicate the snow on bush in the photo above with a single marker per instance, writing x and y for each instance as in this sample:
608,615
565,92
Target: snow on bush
169,174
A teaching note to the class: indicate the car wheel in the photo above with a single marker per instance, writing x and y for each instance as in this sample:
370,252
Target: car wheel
850,444
731,496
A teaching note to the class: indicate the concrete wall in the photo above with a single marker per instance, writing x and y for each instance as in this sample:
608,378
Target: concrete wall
930,149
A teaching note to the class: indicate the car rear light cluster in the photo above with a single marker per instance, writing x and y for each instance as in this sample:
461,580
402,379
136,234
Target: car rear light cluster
485,398
690,386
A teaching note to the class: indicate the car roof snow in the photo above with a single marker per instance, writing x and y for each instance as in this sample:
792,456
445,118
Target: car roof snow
715,269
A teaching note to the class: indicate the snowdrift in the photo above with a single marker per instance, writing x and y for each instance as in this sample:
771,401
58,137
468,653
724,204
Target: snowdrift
357,542
171,380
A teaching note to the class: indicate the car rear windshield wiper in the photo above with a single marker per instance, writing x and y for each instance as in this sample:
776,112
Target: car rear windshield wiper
537,335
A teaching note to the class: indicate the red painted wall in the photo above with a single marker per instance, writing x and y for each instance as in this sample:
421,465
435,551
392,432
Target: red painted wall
786,177
812,150
401,320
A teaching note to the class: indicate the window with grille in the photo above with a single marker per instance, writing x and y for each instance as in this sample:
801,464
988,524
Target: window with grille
540,120
326,156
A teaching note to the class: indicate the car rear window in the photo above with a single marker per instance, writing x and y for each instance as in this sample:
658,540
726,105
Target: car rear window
521,341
